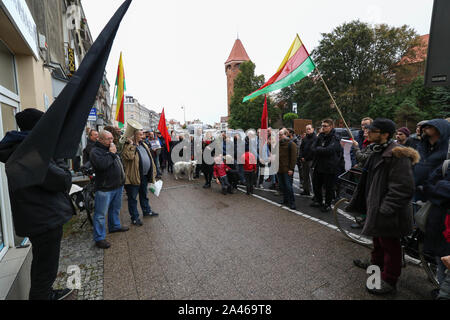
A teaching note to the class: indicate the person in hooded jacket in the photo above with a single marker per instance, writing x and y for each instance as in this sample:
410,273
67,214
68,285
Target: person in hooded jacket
40,211
433,149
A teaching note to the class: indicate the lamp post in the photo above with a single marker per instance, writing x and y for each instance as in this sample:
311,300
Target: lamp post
184,110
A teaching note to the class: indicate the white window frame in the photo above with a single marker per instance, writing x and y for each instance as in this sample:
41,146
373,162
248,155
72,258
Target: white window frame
12,99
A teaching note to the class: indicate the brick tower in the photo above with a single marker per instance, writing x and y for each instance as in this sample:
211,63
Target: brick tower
237,56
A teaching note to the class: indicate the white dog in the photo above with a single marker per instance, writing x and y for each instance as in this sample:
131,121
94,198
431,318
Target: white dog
187,168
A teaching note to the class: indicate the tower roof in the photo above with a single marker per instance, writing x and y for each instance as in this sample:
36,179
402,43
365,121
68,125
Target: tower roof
238,53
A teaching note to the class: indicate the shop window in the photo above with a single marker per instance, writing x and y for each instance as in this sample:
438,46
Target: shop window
8,74
8,118
2,241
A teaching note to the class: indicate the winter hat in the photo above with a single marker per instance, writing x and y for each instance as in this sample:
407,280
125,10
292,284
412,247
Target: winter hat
384,125
405,131
27,119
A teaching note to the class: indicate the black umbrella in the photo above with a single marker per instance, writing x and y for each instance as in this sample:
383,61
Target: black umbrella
58,133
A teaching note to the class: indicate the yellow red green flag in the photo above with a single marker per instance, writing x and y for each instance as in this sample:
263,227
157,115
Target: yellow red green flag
120,97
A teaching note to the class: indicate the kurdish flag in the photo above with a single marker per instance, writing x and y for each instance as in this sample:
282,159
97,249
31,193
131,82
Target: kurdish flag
296,65
120,97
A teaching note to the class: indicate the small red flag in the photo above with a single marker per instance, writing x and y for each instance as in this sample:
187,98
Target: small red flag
162,127
265,115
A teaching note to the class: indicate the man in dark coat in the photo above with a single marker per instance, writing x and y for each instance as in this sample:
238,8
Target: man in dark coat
385,192
306,158
109,182
92,139
40,211
327,156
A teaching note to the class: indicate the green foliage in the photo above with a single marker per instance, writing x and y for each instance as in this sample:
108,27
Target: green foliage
288,118
248,115
356,61
412,103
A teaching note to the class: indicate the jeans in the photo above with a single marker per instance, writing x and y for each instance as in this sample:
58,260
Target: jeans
158,166
44,267
107,202
225,184
285,183
132,193
443,275
240,168
387,254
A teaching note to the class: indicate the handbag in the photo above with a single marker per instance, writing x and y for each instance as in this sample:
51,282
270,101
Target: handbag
421,216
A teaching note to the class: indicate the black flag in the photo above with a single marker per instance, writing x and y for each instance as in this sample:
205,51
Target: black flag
58,133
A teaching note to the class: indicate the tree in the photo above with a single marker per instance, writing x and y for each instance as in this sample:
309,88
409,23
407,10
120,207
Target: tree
288,118
357,62
248,115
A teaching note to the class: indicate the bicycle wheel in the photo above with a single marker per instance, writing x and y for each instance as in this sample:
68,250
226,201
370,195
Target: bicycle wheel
428,263
344,221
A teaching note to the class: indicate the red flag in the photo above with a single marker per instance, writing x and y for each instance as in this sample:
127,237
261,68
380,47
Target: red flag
265,115
162,127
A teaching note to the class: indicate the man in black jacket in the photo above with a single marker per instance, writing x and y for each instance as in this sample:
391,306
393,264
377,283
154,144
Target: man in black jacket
109,182
92,139
327,154
306,158
40,211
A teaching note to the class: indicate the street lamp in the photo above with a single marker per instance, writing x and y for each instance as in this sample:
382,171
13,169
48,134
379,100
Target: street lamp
184,110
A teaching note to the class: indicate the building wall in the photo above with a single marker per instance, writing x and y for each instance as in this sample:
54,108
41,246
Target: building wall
35,81
33,78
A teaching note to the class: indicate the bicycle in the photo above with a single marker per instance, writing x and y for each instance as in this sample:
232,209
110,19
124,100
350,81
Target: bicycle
84,200
412,245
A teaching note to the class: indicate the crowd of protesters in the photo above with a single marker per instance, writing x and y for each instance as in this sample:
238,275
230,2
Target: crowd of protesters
397,168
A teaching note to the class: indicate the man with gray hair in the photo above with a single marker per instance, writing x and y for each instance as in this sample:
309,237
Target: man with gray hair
109,181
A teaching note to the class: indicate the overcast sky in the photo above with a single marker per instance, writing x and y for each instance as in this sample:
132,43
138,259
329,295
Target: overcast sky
174,50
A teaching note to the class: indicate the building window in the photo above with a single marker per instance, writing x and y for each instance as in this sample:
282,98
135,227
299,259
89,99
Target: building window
2,242
8,73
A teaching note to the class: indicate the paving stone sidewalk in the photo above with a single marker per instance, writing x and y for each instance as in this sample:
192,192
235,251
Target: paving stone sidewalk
78,249
205,245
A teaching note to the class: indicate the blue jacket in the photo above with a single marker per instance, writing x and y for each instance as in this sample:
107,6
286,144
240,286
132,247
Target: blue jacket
432,156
